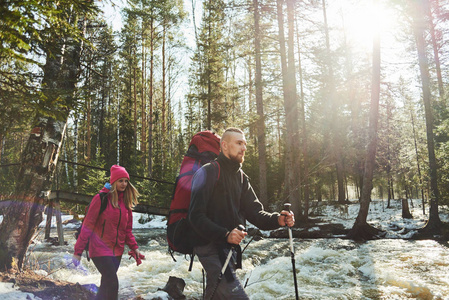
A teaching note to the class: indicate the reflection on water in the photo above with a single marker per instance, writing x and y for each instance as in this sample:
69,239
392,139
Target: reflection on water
326,268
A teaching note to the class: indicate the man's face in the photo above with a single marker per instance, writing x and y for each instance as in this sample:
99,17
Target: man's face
234,147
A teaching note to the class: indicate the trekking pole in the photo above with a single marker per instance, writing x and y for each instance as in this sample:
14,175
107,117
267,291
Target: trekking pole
57,269
225,265
292,251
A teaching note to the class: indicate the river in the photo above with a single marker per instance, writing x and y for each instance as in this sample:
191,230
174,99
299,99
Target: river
335,268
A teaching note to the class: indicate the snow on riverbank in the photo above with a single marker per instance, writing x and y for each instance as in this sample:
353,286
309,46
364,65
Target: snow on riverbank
9,292
312,257
387,219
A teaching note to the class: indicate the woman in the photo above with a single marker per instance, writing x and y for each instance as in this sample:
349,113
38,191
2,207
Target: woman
108,232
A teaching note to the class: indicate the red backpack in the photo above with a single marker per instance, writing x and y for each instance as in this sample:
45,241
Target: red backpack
203,148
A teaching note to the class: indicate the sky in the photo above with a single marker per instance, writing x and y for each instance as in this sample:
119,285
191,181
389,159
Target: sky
114,18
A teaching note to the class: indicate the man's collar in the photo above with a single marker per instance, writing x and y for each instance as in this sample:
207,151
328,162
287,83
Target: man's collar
228,164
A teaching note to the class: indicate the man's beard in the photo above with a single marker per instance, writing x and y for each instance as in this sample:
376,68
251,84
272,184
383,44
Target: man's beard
237,158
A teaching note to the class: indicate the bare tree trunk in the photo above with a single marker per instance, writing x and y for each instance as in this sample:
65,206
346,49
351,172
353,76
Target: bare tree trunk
24,214
291,114
143,108
319,193
135,114
1,146
433,225
372,146
435,49
75,153
117,133
164,96
406,209
104,94
194,21
389,177
390,185
263,194
417,162
305,169
361,230
88,142
250,84
209,80
89,131
293,98
333,108
150,121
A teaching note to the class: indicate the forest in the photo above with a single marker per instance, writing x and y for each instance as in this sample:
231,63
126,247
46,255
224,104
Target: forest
339,100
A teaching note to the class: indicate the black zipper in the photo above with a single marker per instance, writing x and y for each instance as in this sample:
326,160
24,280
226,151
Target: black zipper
102,231
118,226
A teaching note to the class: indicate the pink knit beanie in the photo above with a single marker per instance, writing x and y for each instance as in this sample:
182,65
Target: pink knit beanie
118,172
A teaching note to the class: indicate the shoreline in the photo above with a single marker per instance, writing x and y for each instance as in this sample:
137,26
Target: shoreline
28,281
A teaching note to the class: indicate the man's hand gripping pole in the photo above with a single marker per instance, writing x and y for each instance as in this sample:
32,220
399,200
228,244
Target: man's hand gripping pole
225,265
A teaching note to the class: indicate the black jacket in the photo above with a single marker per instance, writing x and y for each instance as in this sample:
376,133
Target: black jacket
217,207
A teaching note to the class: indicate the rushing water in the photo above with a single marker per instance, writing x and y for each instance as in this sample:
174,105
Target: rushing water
326,268
394,268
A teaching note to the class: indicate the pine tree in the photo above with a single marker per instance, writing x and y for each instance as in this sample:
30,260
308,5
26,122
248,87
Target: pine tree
208,72
433,225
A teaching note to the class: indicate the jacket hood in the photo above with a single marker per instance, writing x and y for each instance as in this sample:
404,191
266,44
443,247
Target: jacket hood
104,190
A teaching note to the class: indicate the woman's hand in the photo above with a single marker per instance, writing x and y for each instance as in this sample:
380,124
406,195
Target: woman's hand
76,259
136,255
137,252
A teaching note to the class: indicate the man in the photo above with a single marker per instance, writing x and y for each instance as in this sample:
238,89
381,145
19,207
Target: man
222,198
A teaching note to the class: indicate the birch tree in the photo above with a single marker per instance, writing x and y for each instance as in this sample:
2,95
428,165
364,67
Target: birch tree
41,154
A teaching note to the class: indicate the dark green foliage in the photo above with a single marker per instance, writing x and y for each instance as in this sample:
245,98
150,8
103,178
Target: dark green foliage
8,179
28,30
26,25
155,194
93,180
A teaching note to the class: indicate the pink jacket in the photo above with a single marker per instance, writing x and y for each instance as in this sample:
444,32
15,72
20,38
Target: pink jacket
107,233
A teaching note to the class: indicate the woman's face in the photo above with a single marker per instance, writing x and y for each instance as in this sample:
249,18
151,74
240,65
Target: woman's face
121,184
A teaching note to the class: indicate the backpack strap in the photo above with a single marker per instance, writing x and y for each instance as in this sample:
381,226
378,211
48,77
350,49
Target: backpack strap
104,201
192,257
103,205
217,166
